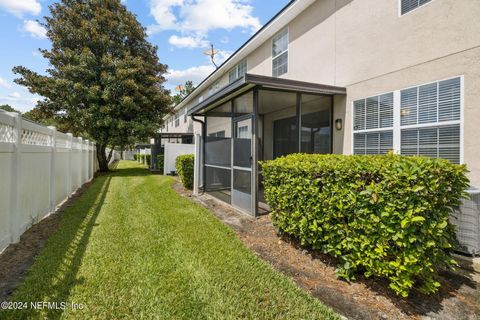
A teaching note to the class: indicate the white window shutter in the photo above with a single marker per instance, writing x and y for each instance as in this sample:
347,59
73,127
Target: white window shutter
449,100
386,110
408,106
371,115
427,103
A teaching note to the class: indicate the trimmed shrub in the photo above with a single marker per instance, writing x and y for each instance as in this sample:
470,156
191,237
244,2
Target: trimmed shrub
145,156
160,159
184,165
135,157
384,216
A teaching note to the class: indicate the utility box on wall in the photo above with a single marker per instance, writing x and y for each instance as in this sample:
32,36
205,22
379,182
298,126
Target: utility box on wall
467,222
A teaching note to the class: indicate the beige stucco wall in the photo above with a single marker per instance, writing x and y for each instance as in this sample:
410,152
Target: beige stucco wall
365,46
466,63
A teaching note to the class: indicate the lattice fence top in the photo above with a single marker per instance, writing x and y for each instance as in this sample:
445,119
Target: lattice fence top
7,133
36,138
35,134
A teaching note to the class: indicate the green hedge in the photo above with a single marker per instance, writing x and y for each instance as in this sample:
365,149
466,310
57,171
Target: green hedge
384,216
184,165
142,156
160,160
135,156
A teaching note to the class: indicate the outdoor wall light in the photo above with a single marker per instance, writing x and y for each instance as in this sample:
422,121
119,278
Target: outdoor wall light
338,124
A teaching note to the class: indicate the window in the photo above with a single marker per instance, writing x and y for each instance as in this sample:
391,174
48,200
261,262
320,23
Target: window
428,121
410,5
238,71
243,132
373,125
184,115
218,134
373,143
177,119
280,53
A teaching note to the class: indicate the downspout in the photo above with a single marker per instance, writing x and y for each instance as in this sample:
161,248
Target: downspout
204,134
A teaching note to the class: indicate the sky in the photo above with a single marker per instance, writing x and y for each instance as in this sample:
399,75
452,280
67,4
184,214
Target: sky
182,30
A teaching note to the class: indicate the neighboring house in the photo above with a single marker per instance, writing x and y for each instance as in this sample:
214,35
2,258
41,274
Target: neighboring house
346,77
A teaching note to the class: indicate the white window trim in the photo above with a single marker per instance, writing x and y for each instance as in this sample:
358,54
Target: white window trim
288,50
397,127
403,15
235,68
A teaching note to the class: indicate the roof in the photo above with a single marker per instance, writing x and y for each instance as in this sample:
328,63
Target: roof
282,18
251,80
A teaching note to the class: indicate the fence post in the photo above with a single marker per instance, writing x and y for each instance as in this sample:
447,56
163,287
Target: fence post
85,159
69,163
15,178
53,142
80,143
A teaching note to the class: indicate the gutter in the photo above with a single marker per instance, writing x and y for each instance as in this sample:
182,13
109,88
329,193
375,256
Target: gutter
204,134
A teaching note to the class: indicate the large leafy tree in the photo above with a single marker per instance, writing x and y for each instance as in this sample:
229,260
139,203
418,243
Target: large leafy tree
8,108
105,79
183,92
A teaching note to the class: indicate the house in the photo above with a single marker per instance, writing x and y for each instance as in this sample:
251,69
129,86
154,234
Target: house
345,77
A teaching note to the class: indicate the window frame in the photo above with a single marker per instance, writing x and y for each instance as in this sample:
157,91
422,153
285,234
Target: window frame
400,14
397,127
177,119
236,69
278,55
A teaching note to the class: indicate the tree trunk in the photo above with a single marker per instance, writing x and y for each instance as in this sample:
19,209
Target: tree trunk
102,157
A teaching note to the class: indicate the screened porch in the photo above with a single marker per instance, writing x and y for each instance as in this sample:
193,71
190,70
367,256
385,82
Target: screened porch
260,118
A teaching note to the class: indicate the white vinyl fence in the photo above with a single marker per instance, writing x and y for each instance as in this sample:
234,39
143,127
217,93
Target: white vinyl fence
39,168
172,151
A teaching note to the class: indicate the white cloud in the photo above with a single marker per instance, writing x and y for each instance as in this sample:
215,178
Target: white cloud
188,42
20,7
195,74
35,29
18,97
22,102
5,84
201,16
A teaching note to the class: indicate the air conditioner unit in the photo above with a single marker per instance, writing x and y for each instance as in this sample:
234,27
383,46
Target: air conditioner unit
467,222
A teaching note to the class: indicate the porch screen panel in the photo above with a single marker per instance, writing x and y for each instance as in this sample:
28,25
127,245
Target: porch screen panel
316,124
218,151
218,145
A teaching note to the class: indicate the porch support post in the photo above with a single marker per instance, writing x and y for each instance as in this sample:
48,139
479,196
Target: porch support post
299,129
255,179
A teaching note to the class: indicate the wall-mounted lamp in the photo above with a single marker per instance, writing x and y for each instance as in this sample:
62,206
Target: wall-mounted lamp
338,124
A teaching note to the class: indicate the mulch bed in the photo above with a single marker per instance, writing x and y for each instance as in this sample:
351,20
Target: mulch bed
459,297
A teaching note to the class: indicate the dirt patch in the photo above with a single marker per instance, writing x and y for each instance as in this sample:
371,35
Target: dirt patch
459,297
17,258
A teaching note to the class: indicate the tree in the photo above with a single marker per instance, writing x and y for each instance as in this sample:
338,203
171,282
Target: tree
105,80
8,108
184,91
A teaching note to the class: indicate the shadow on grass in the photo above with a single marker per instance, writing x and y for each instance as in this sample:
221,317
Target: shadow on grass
53,275
73,244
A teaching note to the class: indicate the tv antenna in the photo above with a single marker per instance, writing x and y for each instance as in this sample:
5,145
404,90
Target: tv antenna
211,52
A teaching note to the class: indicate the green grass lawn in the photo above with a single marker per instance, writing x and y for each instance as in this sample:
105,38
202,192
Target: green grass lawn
131,248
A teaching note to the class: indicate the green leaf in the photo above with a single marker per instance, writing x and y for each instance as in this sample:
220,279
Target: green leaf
417,219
